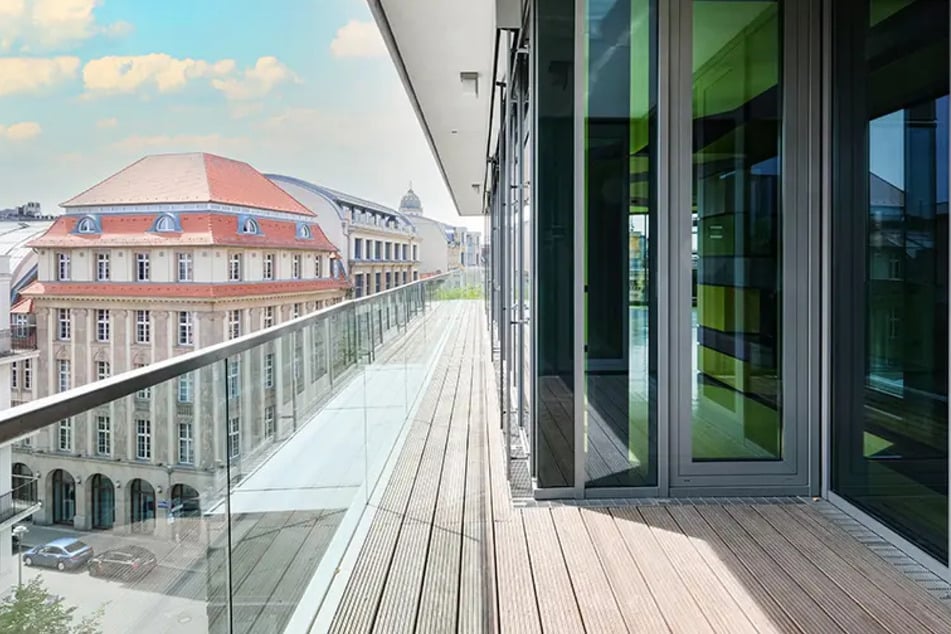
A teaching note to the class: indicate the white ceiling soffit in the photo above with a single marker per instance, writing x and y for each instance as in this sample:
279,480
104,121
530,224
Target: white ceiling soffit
443,51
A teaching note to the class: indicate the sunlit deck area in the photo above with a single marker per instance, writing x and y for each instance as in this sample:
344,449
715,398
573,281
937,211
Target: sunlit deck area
448,549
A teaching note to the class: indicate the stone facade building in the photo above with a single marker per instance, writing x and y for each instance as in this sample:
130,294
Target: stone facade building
171,254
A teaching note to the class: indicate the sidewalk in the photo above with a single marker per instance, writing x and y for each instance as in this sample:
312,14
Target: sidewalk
181,556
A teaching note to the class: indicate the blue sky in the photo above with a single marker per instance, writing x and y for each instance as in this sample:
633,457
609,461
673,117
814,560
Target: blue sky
89,86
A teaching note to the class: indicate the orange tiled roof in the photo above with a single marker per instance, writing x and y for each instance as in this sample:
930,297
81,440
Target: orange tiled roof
184,178
198,229
121,290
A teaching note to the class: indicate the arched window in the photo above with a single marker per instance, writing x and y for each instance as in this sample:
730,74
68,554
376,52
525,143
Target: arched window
303,232
250,226
166,224
87,225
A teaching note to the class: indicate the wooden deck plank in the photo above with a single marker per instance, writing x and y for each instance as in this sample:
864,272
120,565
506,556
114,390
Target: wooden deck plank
824,593
596,601
890,579
760,608
677,605
638,608
777,581
439,601
890,614
518,608
554,593
716,603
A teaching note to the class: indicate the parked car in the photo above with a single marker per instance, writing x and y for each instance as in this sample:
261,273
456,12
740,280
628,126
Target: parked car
66,553
128,562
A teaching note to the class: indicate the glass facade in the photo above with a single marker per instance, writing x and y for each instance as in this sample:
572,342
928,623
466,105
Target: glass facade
620,220
555,267
736,231
890,265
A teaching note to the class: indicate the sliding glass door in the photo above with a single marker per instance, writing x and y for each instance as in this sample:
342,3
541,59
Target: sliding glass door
890,264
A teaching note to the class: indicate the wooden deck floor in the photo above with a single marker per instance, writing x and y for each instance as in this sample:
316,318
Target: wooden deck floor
447,551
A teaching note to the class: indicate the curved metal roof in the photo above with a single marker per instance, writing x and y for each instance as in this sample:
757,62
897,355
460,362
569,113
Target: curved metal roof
339,198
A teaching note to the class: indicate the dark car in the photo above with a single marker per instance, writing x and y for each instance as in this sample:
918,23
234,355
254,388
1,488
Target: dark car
66,553
128,562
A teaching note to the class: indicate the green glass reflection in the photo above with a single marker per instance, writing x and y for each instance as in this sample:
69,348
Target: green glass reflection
620,205
736,328
890,288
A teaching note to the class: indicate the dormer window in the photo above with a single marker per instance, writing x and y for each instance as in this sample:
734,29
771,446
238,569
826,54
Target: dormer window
303,232
88,225
248,226
166,223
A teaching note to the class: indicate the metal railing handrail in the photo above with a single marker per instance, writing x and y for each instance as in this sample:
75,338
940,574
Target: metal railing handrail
22,420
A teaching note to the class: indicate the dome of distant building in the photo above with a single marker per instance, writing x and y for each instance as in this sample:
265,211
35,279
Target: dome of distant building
410,203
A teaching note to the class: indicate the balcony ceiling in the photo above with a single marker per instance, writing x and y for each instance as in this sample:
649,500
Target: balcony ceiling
433,44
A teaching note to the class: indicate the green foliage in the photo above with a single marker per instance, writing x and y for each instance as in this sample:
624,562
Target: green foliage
30,609
466,292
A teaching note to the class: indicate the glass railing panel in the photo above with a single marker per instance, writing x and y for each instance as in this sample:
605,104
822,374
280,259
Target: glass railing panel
232,490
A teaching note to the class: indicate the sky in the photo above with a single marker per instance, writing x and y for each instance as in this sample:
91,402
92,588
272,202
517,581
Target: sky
90,86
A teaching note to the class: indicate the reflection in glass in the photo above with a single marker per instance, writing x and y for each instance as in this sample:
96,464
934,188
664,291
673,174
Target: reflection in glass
620,164
890,241
736,288
554,209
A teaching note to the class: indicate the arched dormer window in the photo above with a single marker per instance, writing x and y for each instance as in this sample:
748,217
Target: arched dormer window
166,223
88,225
303,232
248,226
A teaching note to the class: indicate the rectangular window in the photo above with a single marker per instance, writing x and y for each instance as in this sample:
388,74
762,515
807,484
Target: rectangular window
359,285
64,373
268,266
317,271
102,325
295,266
143,270
378,247
234,267
186,444
234,324
102,267
387,248
63,267
145,393
64,436
143,439
268,316
103,370
14,373
269,422
143,326
415,252
64,325
103,436
185,267
389,280
358,248
185,385
233,378
269,370
27,374
234,437
295,311
185,329
379,281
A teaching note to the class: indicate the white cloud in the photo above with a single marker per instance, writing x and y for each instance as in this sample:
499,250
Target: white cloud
179,143
126,74
52,24
109,122
256,82
22,131
358,39
27,74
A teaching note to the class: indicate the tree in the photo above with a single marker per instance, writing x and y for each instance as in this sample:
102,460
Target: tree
30,609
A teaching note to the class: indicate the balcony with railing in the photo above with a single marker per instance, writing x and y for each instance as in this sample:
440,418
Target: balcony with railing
344,472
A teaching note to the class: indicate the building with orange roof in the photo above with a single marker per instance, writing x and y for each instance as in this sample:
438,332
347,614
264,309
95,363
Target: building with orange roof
173,253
